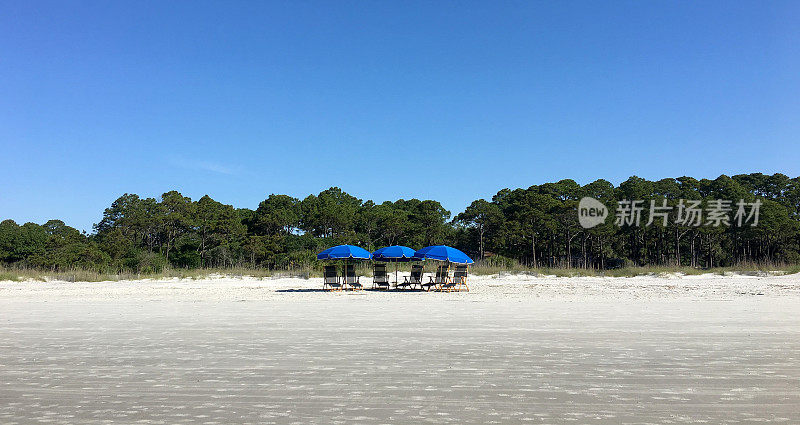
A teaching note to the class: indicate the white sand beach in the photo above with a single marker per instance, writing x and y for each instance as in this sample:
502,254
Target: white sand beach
691,349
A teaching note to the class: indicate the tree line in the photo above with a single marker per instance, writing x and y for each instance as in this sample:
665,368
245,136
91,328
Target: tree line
537,227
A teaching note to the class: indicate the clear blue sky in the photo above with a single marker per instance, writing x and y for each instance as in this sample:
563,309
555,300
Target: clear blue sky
443,100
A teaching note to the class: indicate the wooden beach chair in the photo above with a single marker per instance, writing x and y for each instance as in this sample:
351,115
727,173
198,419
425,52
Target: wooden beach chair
380,279
330,279
459,280
350,278
410,281
439,279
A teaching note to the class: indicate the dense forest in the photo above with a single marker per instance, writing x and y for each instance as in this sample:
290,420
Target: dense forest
537,227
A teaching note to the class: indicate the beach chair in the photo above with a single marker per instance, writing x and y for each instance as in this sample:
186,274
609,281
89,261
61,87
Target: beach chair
459,280
380,279
350,278
414,279
330,279
439,279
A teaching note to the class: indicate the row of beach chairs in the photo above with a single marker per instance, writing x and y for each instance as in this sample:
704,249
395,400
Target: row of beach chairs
332,281
441,281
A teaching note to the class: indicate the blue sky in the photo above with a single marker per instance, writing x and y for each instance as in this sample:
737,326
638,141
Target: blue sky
436,100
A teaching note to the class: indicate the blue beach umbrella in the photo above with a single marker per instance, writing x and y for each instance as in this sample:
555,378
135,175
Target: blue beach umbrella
394,254
344,252
443,253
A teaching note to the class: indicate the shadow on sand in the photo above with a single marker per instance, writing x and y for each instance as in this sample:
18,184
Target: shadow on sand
392,291
302,290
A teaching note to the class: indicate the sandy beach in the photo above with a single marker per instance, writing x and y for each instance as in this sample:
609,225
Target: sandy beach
217,161
671,349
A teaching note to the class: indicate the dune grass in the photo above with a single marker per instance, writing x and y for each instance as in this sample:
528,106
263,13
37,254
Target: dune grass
633,271
79,275
365,269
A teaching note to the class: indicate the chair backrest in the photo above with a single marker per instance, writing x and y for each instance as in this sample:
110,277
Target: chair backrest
441,274
416,273
329,274
461,272
350,274
379,274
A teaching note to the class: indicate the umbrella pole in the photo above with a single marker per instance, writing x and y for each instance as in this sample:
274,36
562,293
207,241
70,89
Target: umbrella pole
396,281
